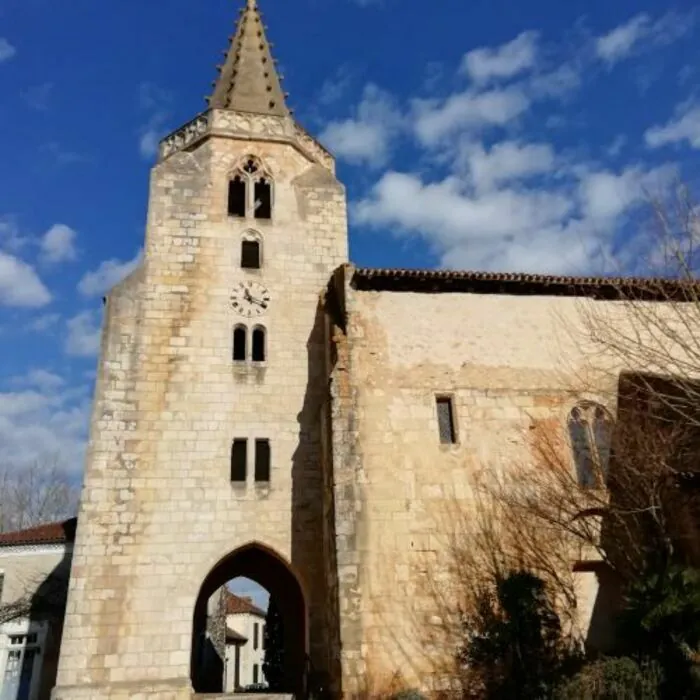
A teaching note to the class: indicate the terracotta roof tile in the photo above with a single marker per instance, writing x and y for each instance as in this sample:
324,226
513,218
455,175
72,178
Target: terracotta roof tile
236,605
383,279
49,533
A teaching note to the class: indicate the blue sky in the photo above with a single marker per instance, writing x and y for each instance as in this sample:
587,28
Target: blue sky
494,135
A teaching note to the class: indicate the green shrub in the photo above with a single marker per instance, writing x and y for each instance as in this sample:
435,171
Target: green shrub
614,679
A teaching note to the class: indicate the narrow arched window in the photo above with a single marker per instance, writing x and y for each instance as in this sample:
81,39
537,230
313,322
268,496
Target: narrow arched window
263,199
250,254
259,344
239,343
590,431
237,196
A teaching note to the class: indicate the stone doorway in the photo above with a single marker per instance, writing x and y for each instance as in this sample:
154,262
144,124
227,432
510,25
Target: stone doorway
269,570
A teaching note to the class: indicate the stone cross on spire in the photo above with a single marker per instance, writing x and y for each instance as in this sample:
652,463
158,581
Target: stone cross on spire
248,80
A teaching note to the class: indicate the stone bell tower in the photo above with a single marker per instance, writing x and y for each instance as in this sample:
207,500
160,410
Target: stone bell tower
204,460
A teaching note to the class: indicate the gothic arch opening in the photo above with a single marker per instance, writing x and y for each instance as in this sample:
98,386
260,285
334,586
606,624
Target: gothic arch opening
212,635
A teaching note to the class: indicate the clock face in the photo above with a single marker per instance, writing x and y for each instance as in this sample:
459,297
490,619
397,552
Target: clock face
250,299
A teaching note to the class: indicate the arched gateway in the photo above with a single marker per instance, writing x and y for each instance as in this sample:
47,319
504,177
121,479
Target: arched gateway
267,568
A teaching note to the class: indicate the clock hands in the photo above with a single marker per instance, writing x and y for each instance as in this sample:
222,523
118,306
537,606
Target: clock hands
250,298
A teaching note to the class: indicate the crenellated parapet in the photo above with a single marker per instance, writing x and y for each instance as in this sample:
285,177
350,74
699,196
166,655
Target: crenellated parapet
244,125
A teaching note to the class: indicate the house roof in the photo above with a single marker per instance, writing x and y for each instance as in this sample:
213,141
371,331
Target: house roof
522,284
235,605
50,533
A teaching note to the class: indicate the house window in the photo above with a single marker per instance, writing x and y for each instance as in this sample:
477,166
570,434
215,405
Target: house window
2,584
263,199
446,421
22,665
239,460
258,344
262,460
590,432
250,255
239,343
256,674
255,635
237,196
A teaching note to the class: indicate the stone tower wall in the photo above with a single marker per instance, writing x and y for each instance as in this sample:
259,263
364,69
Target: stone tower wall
158,509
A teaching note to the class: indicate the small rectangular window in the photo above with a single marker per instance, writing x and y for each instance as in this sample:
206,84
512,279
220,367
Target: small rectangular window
262,460
239,458
255,636
236,197
255,674
2,585
250,255
446,421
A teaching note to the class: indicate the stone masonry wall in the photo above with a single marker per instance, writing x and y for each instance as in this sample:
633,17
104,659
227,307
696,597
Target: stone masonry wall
506,361
158,510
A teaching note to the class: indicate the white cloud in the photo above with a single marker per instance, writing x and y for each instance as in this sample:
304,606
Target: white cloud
157,102
334,88
43,323
606,195
7,51
471,110
641,32
42,379
556,83
84,332
476,230
10,236
20,285
366,137
506,161
618,143
150,137
58,244
618,43
45,424
107,275
505,61
684,127
490,220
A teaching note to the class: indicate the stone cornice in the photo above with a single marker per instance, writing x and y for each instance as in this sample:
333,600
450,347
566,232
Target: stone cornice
245,126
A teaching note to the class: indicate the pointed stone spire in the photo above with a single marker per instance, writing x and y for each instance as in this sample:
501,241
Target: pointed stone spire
248,79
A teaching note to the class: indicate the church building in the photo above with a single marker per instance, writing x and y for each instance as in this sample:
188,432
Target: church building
265,409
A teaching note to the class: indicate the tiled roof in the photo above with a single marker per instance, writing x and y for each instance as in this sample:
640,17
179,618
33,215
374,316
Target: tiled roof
50,533
236,605
382,279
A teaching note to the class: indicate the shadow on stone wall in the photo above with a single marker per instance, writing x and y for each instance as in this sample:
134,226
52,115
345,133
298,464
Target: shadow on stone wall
313,526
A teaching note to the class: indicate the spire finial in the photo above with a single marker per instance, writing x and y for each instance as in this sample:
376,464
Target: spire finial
248,80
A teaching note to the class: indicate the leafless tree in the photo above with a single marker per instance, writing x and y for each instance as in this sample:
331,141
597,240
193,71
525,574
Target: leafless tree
641,497
40,492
